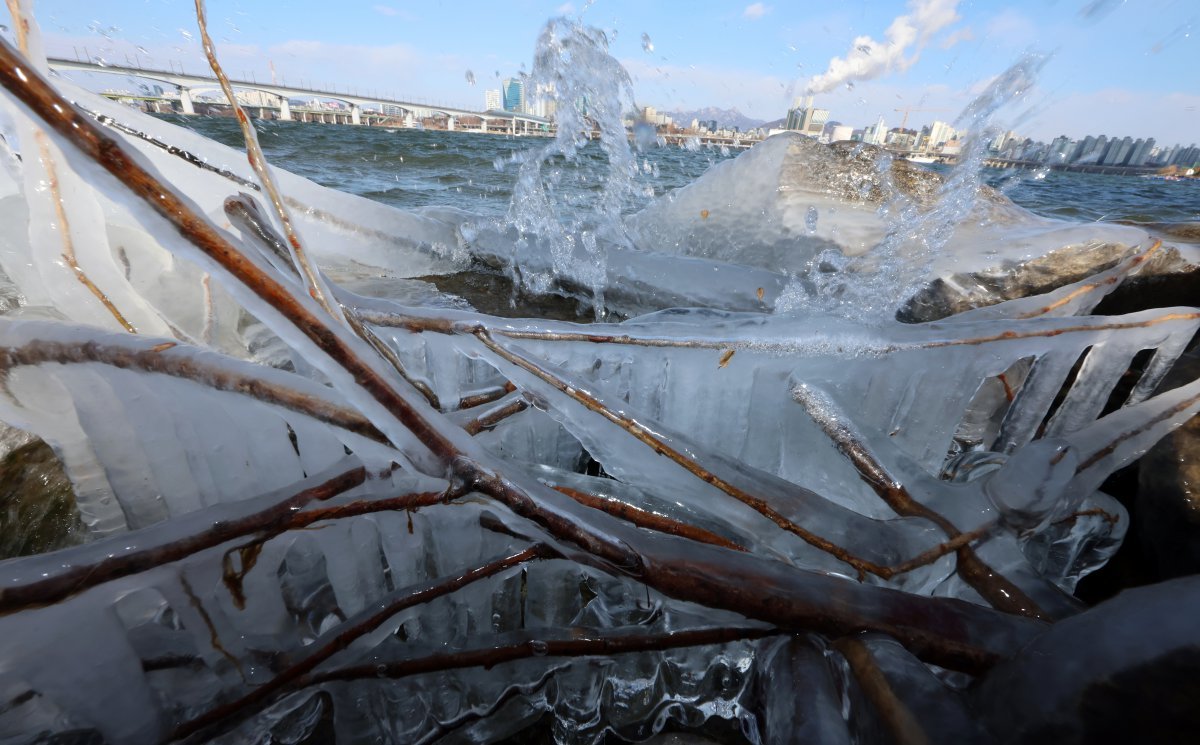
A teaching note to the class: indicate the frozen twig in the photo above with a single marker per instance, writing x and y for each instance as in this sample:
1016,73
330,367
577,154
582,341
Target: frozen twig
312,276
342,636
1000,592
157,552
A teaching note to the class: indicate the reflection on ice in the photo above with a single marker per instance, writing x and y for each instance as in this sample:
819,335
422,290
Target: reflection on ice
429,522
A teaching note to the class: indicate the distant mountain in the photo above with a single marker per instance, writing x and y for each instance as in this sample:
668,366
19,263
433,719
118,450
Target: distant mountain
723,117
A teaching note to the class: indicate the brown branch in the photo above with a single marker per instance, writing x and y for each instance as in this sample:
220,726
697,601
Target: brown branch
341,637
258,161
299,520
56,196
160,359
758,504
649,520
243,212
1115,276
492,417
480,398
999,591
1116,441
896,716
79,578
419,324
584,643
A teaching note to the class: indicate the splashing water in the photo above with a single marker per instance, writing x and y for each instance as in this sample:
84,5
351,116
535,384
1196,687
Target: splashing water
592,91
876,283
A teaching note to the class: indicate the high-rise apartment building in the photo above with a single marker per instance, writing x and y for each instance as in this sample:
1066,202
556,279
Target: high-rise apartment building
1141,152
806,119
876,134
939,134
492,100
514,95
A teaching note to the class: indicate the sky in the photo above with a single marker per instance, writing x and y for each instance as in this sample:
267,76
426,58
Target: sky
1115,67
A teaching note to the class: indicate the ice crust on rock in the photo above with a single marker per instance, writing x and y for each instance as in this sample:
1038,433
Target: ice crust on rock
706,467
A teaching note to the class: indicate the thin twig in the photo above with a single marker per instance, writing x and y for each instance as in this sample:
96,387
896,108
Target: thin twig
173,360
999,591
258,161
64,226
1114,276
896,716
490,418
299,520
649,520
79,578
346,633
487,396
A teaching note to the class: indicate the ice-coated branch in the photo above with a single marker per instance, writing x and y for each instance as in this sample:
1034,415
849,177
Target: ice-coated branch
1000,592
651,439
186,363
493,416
479,398
341,637
896,716
23,26
647,519
162,545
248,552
950,633
312,276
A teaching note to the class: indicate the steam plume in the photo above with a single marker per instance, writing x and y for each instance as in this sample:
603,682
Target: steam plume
869,59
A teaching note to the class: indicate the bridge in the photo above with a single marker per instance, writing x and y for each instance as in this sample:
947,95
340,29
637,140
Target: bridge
279,99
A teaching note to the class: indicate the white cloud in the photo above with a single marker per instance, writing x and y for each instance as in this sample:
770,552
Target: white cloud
754,11
963,34
565,9
869,58
385,10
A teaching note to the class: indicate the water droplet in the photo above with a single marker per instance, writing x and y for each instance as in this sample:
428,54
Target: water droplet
470,78
849,85
185,34
381,670
810,220
865,49
647,45
539,647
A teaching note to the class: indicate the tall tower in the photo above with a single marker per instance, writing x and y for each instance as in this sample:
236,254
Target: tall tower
514,95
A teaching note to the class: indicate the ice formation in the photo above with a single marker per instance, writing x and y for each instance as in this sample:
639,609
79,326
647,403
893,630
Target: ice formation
409,522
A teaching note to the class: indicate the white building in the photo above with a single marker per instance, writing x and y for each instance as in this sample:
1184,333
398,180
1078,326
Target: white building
492,100
939,134
876,134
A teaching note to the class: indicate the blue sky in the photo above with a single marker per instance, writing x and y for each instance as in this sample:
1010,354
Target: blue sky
1117,68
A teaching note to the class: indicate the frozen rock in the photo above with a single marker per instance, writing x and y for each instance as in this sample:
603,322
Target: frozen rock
1124,671
1168,499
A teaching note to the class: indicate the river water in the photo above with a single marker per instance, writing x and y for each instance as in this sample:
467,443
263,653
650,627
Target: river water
414,168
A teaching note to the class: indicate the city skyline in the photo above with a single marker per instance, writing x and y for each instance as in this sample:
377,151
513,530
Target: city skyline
756,57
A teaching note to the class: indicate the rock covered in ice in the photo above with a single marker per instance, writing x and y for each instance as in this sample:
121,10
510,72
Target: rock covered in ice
786,202
1124,671
1168,500
775,207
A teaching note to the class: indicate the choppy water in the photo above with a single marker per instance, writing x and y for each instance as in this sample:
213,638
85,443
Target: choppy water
414,168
